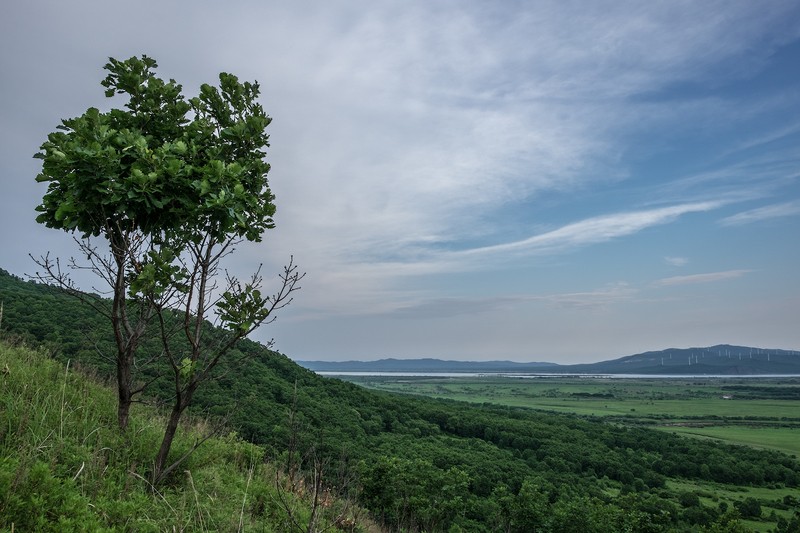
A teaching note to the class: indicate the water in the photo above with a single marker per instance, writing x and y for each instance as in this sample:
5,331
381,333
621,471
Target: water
534,375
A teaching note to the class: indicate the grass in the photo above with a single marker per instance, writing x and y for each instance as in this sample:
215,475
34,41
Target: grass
64,466
786,440
713,494
690,406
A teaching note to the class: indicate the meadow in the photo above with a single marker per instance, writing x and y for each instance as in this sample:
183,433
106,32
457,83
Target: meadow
758,412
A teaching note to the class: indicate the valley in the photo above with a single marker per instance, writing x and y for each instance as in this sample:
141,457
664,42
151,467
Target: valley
760,412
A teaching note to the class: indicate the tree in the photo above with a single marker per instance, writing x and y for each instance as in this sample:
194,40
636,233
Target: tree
171,186
109,177
749,507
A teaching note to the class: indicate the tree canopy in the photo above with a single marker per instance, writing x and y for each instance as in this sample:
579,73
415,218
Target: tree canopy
163,164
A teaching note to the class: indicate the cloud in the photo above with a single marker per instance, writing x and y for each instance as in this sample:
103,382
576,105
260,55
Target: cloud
676,261
785,209
409,137
416,122
451,307
595,230
377,286
599,298
700,278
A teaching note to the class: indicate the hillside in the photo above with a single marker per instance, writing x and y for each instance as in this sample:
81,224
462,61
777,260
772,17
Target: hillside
717,360
64,466
417,463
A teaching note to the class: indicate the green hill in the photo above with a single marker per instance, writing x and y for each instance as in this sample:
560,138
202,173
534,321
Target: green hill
65,467
423,464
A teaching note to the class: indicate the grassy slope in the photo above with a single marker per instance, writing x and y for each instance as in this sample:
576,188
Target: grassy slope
64,466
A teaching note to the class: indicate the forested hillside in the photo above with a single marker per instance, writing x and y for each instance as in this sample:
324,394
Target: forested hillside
430,465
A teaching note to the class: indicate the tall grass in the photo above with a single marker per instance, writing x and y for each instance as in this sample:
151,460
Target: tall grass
64,466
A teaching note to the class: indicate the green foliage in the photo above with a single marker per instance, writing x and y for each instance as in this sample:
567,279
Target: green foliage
789,526
689,499
241,308
63,469
33,499
415,493
529,509
163,166
748,508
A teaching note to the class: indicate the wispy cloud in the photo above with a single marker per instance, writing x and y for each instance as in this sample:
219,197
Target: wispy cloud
450,307
710,277
599,298
770,137
596,230
441,118
785,209
676,261
751,178
376,286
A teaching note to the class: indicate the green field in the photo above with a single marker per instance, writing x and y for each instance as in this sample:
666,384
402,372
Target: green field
759,412
783,439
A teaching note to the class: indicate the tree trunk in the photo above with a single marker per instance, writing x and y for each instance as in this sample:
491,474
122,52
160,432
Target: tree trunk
166,443
182,402
122,330
124,394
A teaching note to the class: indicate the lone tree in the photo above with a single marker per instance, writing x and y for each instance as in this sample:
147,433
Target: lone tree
170,186
110,177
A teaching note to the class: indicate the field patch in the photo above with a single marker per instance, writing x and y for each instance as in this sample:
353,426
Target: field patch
758,412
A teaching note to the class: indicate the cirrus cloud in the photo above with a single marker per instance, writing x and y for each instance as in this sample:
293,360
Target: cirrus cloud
710,277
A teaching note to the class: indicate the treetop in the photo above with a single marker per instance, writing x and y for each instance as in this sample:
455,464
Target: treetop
162,165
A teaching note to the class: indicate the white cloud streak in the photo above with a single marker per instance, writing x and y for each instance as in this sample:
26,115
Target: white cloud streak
596,230
417,121
711,277
786,209
451,307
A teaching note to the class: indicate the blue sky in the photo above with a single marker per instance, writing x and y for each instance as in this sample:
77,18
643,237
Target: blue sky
535,181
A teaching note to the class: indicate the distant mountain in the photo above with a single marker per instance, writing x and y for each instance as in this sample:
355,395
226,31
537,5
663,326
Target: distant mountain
723,359
425,365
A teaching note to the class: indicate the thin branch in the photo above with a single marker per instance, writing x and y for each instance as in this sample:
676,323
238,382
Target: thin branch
54,276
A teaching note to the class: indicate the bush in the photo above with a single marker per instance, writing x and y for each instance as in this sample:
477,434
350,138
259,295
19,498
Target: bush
34,500
749,508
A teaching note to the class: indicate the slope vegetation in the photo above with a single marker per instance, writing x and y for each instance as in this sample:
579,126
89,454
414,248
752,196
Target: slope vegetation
65,467
433,465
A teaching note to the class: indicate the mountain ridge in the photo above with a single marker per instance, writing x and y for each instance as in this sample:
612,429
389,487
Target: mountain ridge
721,359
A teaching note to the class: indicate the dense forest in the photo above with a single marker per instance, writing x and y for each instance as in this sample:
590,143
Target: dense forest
427,465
